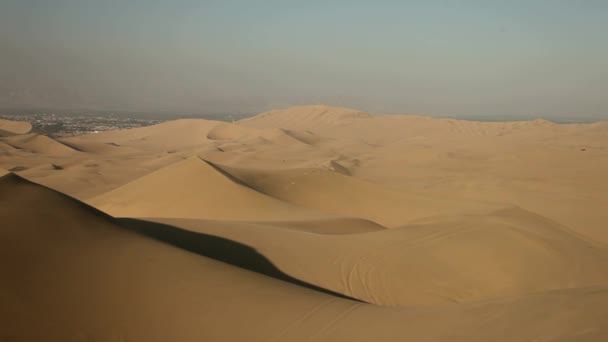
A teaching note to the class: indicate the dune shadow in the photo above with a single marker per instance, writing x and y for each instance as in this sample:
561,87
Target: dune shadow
228,175
218,248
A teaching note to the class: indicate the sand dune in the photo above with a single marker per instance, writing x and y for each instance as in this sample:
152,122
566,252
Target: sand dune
305,117
506,162
8,127
195,189
88,175
86,145
310,223
97,277
448,260
306,137
5,148
335,193
172,135
76,273
349,123
186,134
248,136
226,131
36,143
331,226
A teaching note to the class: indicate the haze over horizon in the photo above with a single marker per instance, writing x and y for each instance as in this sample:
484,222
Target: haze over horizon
459,58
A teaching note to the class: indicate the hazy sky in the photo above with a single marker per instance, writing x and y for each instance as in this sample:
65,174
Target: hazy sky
529,57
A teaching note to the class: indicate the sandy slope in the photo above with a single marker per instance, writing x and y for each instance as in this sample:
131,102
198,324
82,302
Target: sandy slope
6,148
552,169
8,127
76,274
42,144
183,134
195,189
305,117
263,229
330,226
336,193
452,260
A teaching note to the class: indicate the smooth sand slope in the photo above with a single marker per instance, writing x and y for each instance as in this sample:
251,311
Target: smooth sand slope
311,223
333,192
9,127
185,133
555,170
74,273
42,144
305,117
331,226
448,260
193,188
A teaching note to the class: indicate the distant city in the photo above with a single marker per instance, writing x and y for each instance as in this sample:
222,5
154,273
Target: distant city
64,124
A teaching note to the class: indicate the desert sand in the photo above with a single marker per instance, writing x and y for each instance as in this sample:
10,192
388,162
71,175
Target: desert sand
8,127
310,223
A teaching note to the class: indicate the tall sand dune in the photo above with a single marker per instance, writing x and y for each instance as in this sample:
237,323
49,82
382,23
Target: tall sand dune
304,117
441,261
253,137
75,274
185,134
226,131
171,135
195,189
89,175
349,123
335,193
95,147
9,127
42,144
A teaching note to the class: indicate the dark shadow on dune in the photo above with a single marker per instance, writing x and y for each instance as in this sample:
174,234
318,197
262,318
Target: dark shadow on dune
6,134
68,145
227,174
218,248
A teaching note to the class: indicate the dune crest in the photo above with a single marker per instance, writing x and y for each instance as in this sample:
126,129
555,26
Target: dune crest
170,135
194,189
333,192
304,117
9,127
102,277
454,259
41,144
